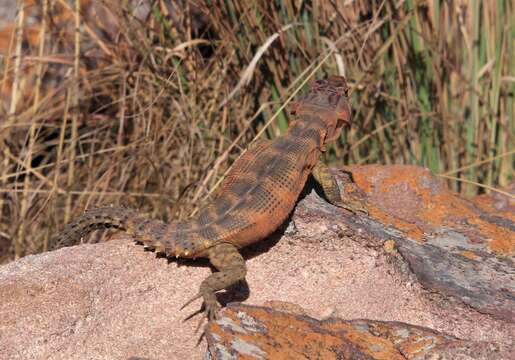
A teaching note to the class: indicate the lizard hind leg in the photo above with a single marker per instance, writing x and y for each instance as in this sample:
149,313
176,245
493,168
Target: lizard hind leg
231,265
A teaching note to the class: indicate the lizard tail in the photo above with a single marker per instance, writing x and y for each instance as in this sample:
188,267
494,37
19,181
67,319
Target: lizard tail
142,229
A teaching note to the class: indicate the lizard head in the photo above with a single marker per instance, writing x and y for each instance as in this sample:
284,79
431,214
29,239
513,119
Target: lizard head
328,97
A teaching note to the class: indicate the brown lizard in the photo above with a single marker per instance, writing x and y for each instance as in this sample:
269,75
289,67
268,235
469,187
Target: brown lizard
255,198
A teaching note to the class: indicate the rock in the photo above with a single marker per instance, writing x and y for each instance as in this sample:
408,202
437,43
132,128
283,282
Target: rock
452,245
115,301
499,203
103,301
253,332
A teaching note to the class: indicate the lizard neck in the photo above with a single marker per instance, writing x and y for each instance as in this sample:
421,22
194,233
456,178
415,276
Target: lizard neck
309,125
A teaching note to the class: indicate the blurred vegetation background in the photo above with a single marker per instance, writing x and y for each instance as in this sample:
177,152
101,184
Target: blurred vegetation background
149,102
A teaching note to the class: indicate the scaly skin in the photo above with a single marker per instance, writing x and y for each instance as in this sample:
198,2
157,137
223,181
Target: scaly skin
255,198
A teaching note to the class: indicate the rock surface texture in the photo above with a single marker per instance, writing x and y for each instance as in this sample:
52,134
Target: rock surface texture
452,245
423,257
263,333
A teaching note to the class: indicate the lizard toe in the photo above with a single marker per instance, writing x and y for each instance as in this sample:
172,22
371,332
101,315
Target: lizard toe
197,296
212,311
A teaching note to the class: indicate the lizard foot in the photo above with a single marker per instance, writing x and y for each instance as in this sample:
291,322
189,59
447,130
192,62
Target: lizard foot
212,308
227,259
211,305
340,190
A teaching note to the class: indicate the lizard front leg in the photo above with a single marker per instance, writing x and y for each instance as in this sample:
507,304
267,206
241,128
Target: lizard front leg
231,265
329,183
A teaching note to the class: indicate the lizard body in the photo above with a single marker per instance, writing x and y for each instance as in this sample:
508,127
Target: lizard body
255,198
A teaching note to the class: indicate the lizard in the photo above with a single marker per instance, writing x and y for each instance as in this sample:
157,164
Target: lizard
255,198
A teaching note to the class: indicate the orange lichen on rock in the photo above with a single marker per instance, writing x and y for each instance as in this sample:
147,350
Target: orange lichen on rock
415,202
501,240
444,207
411,230
498,203
250,332
470,255
297,337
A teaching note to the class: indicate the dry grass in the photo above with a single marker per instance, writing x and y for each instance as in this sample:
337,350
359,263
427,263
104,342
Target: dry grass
150,112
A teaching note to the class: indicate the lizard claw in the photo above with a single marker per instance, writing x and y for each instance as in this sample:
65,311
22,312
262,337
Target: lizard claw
200,322
211,306
199,295
212,315
212,311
